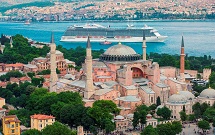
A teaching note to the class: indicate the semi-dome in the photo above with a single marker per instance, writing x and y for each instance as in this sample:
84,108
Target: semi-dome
177,99
119,117
208,93
120,52
187,94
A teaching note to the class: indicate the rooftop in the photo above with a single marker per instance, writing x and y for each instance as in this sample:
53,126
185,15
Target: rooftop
42,116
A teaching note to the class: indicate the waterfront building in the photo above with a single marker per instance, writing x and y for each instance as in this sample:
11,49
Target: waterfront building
11,125
40,121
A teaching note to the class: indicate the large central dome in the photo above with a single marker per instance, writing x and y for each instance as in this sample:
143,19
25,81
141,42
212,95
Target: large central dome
120,52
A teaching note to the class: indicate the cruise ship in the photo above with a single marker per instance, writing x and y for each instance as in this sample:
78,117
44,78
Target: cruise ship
99,33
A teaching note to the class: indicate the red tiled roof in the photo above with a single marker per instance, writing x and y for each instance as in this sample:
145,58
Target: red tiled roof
25,78
14,119
47,84
2,98
41,116
14,65
2,109
13,79
3,84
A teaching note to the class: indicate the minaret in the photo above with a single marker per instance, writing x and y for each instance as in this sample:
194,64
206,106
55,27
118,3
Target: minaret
89,88
182,56
144,46
11,42
53,76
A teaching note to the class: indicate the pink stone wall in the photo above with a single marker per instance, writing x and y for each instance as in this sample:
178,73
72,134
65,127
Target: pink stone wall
168,71
193,73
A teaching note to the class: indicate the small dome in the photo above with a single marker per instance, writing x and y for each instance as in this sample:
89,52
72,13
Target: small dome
177,99
120,52
131,115
187,94
119,117
57,53
208,93
160,106
148,115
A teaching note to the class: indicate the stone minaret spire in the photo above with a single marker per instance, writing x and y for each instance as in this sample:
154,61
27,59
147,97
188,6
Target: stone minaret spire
11,42
53,76
182,61
144,46
89,88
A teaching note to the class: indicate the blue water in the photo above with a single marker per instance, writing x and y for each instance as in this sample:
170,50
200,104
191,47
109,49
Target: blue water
199,36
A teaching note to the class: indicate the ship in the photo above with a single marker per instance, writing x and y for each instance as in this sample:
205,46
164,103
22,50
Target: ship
99,33
27,22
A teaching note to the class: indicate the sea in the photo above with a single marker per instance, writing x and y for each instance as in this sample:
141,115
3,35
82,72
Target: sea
199,35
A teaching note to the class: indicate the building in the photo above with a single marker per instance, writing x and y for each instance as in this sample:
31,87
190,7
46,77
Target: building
151,121
207,96
44,63
40,121
2,102
179,101
11,125
121,122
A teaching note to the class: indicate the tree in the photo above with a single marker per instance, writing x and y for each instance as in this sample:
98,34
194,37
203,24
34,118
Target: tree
176,126
183,115
197,109
140,115
153,107
56,129
158,101
165,129
209,114
184,110
31,74
164,112
31,132
149,130
212,80
106,106
191,117
72,114
102,113
204,125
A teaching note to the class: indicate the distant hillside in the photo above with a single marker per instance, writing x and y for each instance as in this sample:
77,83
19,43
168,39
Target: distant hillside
37,4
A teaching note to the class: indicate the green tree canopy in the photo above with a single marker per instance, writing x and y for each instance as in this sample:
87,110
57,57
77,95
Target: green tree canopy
183,116
176,126
197,109
140,115
204,125
56,129
164,112
158,101
31,132
102,113
149,130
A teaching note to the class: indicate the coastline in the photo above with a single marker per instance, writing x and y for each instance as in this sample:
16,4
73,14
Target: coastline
148,20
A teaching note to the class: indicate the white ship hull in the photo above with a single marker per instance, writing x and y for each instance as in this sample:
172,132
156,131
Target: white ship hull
130,39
